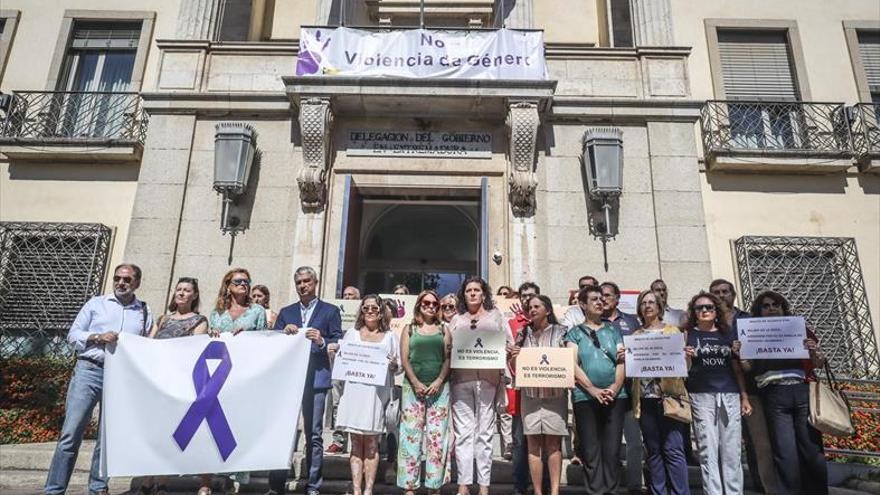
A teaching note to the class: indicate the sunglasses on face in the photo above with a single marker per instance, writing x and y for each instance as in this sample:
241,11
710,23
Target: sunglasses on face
370,309
240,281
447,307
771,305
430,304
708,308
127,280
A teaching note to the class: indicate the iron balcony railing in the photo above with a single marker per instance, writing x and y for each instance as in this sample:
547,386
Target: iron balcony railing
865,122
777,127
74,117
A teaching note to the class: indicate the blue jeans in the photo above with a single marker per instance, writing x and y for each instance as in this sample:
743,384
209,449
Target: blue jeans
83,394
664,440
313,428
797,447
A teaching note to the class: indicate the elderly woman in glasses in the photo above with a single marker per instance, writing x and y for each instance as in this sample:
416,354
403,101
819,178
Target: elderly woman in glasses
718,394
362,406
598,395
783,386
475,392
234,311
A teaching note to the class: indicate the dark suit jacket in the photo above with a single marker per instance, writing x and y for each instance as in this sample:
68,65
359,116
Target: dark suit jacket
325,318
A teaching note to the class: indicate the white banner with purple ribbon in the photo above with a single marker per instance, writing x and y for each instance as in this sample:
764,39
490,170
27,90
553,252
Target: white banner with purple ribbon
202,405
421,53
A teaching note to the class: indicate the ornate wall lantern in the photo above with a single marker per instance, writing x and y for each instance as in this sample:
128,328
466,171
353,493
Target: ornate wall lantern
603,167
234,148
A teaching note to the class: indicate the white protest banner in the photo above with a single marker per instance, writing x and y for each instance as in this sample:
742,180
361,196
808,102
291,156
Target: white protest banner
421,53
361,363
197,404
547,367
655,355
479,349
348,309
778,337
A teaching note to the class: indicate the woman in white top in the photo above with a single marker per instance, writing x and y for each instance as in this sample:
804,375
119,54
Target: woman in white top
474,391
362,407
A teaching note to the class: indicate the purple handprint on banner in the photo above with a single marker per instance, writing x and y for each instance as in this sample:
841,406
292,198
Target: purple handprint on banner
310,55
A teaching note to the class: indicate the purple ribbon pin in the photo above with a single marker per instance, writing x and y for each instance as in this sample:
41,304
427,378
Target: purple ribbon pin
206,406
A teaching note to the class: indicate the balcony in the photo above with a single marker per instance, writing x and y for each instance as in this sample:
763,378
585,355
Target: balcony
865,124
787,137
73,126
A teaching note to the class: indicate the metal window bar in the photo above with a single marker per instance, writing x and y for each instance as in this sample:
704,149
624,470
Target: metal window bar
768,126
47,272
822,279
73,117
865,121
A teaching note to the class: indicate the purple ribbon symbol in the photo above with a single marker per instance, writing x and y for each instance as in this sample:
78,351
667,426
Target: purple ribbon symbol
206,406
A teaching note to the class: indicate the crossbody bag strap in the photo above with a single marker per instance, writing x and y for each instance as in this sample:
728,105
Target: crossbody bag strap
607,354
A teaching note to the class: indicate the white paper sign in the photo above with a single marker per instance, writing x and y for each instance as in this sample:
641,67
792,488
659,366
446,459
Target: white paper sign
778,337
193,405
361,363
653,355
421,53
628,302
479,349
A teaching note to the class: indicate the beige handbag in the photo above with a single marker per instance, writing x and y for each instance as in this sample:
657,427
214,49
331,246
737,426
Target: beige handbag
677,408
829,408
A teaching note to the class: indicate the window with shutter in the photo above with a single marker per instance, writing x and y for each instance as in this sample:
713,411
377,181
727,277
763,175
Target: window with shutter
869,51
756,65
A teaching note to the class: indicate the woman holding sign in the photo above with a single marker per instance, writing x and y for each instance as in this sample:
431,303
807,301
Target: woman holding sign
544,410
424,353
362,405
663,436
475,387
718,394
599,384
783,384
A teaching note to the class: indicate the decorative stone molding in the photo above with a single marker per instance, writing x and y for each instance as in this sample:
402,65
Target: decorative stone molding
652,22
197,19
315,123
523,121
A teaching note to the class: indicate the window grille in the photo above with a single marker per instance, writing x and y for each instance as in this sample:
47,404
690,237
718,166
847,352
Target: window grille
822,280
47,272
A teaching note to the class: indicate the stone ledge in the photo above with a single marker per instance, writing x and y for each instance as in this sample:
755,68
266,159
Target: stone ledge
623,111
217,103
787,163
91,151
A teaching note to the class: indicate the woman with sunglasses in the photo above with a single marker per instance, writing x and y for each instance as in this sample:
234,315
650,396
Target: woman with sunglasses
544,410
783,387
475,391
717,389
424,354
448,307
233,310
664,437
599,377
361,410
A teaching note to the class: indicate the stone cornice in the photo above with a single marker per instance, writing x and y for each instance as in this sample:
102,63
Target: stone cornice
615,110
217,103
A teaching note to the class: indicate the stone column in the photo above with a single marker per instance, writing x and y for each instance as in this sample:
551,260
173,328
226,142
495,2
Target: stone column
518,13
522,122
652,22
198,19
315,124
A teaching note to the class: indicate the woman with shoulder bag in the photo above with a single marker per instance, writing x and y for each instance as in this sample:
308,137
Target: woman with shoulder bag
598,385
663,432
783,384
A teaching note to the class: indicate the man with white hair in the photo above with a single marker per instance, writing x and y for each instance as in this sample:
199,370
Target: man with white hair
322,324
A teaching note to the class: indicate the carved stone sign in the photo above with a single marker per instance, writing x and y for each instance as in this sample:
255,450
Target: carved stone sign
437,144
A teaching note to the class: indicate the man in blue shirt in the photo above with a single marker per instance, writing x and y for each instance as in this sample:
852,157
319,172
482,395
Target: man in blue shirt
98,323
322,324
626,324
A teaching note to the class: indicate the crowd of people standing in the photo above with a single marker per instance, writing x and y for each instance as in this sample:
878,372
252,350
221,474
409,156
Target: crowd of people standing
444,418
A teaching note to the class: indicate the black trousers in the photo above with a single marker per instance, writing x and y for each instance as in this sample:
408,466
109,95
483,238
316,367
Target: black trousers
600,429
797,447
